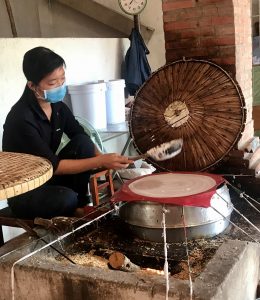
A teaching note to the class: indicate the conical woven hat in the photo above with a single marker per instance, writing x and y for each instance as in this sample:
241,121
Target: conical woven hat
195,100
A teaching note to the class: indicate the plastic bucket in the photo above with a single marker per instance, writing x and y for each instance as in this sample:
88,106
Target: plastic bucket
89,101
115,101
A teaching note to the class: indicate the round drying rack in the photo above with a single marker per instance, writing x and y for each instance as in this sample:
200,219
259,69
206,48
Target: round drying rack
195,100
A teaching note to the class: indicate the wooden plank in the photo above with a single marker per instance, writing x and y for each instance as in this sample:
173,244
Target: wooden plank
256,116
108,17
256,85
14,222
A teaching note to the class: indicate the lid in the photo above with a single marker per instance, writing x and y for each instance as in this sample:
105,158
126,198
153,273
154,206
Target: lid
195,100
86,87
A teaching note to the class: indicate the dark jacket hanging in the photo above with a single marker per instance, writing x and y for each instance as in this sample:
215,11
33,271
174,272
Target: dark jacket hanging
137,68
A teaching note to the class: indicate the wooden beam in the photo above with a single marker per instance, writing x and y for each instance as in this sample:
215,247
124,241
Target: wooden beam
108,17
256,117
11,18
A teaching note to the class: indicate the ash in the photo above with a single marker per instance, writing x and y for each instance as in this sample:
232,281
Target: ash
95,244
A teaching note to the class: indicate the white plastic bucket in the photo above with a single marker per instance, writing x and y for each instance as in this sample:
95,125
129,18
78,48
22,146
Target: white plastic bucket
115,101
89,101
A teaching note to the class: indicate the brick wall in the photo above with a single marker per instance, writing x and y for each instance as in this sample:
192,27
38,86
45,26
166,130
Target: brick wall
217,30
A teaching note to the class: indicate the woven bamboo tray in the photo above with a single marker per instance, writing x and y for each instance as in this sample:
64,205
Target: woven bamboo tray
20,173
195,100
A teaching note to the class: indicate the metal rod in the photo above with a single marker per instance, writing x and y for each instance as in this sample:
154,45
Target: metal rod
166,266
243,194
49,244
187,252
234,224
252,205
245,218
238,212
136,23
61,253
32,232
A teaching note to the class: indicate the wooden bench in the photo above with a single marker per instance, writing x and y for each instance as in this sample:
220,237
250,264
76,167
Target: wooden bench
7,218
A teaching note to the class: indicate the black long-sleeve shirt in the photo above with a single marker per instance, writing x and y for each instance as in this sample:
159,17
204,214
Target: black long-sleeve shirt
28,130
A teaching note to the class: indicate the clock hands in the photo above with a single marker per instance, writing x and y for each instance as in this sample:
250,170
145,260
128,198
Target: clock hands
132,7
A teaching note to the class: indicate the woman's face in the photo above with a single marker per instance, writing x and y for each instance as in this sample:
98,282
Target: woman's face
51,81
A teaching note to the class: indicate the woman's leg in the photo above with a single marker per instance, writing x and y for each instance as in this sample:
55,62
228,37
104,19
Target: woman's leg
79,147
46,201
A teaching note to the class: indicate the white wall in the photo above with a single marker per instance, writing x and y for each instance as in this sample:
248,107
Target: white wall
52,19
49,18
151,16
86,60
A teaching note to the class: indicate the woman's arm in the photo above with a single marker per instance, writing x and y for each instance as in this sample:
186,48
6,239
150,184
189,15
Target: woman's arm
107,161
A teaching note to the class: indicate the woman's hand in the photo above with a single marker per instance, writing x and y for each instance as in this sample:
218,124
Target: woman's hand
107,161
114,161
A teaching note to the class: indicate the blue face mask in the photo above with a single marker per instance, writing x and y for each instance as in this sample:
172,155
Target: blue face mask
55,95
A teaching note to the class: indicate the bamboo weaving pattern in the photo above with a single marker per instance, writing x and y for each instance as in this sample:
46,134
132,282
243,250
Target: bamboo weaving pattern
20,173
195,100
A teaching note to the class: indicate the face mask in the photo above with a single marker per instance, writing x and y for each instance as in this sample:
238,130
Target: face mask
55,95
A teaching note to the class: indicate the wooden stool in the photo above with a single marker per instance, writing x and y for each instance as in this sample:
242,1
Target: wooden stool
95,186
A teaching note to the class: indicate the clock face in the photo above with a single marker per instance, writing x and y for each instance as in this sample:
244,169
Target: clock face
132,7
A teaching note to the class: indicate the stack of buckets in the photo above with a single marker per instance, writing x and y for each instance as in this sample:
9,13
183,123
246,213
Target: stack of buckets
100,103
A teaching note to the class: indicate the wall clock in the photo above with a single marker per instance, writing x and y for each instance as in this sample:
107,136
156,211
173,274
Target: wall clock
132,7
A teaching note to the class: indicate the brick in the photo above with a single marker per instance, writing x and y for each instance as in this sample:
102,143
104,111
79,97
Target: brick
222,28
225,30
170,17
172,35
227,51
184,43
177,4
180,25
222,20
193,13
207,42
210,10
182,34
190,34
224,60
207,31
205,21
213,51
217,2
225,10
173,55
174,15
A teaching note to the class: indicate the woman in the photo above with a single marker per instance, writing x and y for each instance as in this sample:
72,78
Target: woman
35,126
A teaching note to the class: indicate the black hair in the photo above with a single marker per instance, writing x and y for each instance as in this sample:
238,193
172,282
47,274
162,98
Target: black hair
39,62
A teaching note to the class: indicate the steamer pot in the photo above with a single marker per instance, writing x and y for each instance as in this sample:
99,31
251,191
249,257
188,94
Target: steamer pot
144,218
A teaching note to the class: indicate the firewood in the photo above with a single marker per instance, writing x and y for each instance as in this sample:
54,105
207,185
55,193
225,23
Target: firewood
119,261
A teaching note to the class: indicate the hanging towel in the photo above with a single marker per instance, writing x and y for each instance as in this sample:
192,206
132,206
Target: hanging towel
137,68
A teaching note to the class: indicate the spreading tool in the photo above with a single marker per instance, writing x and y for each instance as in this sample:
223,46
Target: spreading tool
162,152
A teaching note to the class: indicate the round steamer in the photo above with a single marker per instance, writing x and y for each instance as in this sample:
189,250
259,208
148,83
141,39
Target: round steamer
195,100
182,194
